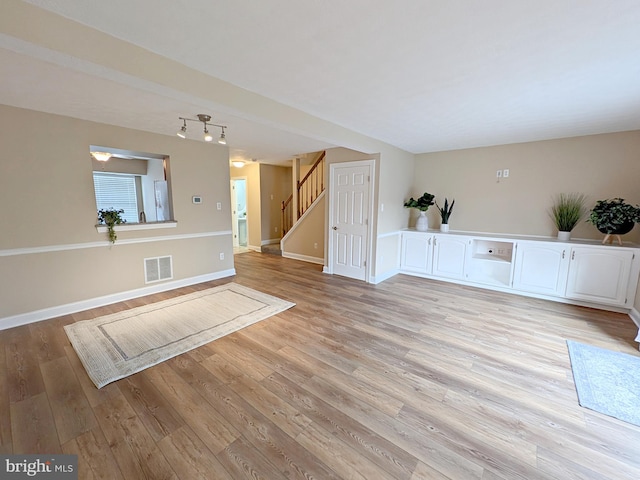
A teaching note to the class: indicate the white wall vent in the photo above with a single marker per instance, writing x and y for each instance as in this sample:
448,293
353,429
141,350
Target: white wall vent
157,269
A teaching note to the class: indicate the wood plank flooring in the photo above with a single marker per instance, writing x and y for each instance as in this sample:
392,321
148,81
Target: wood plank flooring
409,379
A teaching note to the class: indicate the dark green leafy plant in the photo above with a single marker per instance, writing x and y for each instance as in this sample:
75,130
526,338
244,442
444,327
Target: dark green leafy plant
445,211
567,210
614,216
423,203
111,217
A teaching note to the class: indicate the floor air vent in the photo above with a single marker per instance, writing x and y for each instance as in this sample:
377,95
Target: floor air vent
157,269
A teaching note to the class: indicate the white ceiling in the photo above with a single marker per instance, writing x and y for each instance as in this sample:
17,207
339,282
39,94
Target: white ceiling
422,75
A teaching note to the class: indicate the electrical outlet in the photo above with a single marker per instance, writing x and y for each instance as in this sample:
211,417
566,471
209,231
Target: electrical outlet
275,229
499,174
221,255
315,245
219,206
505,173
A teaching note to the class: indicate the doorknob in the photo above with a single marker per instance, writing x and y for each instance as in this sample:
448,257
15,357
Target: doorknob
335,228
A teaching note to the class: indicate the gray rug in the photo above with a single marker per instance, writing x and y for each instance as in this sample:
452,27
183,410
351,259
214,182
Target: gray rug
117,345
606,381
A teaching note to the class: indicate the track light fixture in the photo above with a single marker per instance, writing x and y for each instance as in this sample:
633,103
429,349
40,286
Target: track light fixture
205,119
182,133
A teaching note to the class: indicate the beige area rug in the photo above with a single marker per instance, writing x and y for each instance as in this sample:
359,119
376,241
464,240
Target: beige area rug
120,344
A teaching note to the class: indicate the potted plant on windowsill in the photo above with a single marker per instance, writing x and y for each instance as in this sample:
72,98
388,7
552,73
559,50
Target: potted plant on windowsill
422,204
110,217
445,213
567,210
614,217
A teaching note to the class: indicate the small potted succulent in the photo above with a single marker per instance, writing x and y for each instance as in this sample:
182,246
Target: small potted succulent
445,213
614,217
422,204
110,217
567,210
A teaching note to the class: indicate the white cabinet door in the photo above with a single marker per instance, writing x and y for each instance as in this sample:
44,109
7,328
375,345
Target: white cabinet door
600,275
541,267
417,251
449,255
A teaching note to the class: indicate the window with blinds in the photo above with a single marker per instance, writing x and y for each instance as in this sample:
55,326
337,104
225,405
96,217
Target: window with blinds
119,192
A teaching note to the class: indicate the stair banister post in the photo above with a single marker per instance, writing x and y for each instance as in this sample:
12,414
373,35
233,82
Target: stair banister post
295,208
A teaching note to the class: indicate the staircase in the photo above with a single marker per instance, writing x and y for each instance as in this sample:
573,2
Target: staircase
307,191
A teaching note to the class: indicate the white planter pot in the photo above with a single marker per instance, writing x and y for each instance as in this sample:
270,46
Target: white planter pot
564,236
444,227
422,224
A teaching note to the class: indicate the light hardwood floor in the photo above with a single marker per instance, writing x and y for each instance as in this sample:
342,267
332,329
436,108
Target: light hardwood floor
408,379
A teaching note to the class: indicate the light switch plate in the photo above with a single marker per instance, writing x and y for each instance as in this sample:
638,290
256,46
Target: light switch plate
197,199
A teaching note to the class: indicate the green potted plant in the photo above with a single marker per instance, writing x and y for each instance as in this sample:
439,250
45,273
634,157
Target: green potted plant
445,213
110,217
422,204
567,210
614,217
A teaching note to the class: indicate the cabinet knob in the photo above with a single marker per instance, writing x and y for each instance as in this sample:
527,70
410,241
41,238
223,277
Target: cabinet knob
563,253
335,228
573,255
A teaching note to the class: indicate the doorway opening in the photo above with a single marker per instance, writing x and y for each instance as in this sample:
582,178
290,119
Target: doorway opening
239,213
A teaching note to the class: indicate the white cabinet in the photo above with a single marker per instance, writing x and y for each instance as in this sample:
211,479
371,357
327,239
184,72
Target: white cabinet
578,272
417,252
601,275
541,267
449,255
490,262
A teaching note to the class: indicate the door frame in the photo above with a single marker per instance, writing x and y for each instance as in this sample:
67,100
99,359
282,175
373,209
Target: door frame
234,217
370,221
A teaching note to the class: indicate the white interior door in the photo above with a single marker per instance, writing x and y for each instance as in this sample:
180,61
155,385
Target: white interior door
349,223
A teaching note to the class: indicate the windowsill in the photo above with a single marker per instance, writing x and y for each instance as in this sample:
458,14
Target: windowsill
124,227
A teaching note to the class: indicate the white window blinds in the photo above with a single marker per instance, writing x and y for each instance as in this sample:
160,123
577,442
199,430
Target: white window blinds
117,191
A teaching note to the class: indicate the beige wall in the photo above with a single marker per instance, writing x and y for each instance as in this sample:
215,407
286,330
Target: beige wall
600,166
46,190
275,187
308,241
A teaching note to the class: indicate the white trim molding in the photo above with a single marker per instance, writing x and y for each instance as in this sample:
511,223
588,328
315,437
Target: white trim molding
635,317
304,258
57,311
124,227
77,246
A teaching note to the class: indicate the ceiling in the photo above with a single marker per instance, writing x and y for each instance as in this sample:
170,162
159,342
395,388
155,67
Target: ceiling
290,77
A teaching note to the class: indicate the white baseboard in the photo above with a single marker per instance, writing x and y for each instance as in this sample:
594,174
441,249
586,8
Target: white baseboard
304,258
271,241
53,312
385,276
635,316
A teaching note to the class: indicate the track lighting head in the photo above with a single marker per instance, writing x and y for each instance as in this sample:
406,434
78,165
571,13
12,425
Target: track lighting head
182,133
205,119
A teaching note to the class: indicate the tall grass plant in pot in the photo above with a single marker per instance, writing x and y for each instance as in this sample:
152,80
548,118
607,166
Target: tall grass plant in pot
445,213
567,210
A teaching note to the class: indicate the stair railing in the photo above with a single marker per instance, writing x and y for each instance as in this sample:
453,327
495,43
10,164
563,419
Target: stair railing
308,190
311,186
